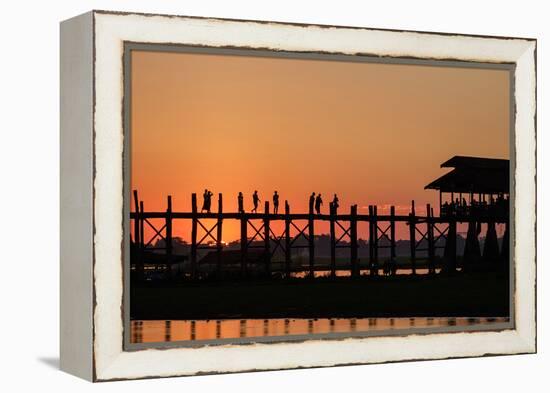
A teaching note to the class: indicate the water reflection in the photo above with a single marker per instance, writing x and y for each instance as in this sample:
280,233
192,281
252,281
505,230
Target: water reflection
362,272
166,331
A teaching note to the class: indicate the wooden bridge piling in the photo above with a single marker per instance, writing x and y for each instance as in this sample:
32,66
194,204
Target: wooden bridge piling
311,242
353,241
505,249
490,245
287,240
332,214
168,237
141,267
371,237
244,243
430,235
194,221
136,220
374,219
412,237
450,247
267,242
219,241
138,235
141,227
392,234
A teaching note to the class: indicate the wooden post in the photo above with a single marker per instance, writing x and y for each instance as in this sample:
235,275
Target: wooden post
375,228
267,245
392,235
490,247
244,243
412,237
371,238
141,226
450,247
505,250
169,226
287,239
137,240
193,236
332,241
353,241
431,245
141,267
311,242
472,251
219,244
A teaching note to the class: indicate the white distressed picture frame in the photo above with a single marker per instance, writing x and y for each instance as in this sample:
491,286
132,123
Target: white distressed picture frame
92,147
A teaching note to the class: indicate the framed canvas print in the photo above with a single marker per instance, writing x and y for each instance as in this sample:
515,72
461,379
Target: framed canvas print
246,195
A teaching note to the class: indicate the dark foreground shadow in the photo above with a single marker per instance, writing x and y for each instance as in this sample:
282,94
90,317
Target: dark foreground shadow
475,294
52,362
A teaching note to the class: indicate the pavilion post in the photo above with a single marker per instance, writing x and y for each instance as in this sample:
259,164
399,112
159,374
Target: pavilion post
431,245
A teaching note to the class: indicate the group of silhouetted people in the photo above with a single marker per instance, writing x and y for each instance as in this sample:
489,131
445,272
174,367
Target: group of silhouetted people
462,207
315,202
256,201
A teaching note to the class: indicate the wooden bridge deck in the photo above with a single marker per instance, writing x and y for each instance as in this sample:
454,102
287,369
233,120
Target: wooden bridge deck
425,233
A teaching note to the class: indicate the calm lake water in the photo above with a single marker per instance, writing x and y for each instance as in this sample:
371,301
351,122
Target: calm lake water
166,331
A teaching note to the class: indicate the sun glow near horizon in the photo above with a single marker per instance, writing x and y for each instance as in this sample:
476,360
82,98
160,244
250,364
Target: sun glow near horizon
372,133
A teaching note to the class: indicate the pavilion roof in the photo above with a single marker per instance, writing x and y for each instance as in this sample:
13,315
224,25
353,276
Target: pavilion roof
474,174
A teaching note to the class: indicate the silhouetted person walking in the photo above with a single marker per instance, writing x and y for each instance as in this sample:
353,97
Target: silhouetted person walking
255,200
318,203
275,202
311,202
207,201
335,204
240,200
204,200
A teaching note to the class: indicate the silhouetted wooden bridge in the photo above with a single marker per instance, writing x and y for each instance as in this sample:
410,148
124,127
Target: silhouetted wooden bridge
426,233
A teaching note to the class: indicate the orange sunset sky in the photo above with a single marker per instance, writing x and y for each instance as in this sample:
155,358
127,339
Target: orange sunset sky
372,133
